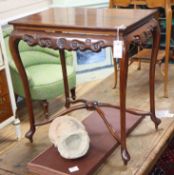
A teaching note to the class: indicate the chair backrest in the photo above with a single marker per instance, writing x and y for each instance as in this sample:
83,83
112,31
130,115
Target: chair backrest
149,3
122,3
155,4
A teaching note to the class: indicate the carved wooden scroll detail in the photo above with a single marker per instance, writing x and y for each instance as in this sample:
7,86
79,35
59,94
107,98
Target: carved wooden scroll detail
65,43
144,35
59,42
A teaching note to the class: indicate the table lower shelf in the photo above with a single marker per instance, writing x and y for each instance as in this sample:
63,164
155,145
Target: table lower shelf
102,144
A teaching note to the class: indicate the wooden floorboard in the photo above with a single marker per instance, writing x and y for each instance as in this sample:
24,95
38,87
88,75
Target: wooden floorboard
14,155
6,172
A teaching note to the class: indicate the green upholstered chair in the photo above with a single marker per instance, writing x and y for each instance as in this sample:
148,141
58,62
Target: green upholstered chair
43,70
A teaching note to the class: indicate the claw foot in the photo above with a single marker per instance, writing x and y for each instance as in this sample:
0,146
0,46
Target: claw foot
125,155
29,135
156,121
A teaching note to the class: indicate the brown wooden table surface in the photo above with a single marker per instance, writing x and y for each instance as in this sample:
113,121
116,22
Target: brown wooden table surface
88,29
84,19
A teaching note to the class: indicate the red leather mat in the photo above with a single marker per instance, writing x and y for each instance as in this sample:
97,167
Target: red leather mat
102,144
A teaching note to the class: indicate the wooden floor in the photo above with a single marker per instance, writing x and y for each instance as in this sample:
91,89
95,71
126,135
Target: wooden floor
144,143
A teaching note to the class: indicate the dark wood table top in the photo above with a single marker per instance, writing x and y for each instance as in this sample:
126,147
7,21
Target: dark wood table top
85,18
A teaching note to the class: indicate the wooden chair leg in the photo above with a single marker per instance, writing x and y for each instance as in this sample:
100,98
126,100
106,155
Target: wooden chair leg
115,73
139,64
168,12
73,93
139,60
45,106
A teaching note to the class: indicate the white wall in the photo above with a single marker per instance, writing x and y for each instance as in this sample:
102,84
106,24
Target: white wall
12,9
73,3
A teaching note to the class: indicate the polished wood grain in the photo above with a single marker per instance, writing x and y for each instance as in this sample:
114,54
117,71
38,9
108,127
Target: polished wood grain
97,20
88,29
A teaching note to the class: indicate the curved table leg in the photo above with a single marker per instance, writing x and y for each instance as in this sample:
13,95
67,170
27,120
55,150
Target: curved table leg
123,86
168,12
155,47
14,41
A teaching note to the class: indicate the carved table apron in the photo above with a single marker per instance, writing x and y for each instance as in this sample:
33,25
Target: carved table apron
93,29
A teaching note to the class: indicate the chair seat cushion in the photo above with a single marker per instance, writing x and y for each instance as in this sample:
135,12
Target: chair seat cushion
45,81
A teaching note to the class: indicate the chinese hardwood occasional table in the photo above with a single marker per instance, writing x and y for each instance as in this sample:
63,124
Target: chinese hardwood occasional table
89,29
